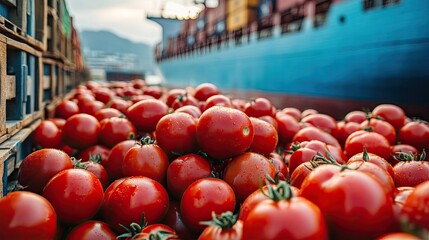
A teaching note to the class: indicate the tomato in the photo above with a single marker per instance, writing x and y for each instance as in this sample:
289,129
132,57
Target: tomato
154,91
205,90
176,133
103,95
81,131
271,120
410,172
91,107
405,148
390,113
97,169
131,197
174,220
146,114
59,122
279,164
398,236
75,194
184,170
294,112
321,121
357,206
107,113
355,116
288,126
92,152
115,130
379,126
372,158
416,206
190,109
113,164
66,109
298,176
265,137
203,197
120,105
223,227
184,100
224,132
138,98
172,94
218,100
259,107
372,141
415,134
26,215
40,166
92,230
344,129
312,133
299,218
47,135
147,160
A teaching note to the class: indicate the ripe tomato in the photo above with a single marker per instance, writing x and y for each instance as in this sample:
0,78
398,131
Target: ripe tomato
103,95
184,170
416,206
176,133
246,172
26,215
218,100
184,100
90,107
97,169
415,134
66,109
265,137
294,112
189,109
115,130
129,198
174,220
113,164
172,94
92,152
75,194
321,121
203,197
154,91
223,227
81,131
344,129
205,90
120,104
355,116
372,158
357,206
40,166
224,132
145,114
390,113
288,126
279,164
107,113
259,107
47,135
398,236
92,230
312,133
410,173
59,122
405,148
372,141
379,126
147,160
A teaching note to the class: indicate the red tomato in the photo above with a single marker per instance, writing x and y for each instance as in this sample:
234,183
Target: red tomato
416,206
131,197
270,120
279,164
174,220
154,91
98,170
81,131
66,109
120,105
205,90
184,170
176,133
147,160
410,173
294,112
356,116
184,100
344,129
372,158
113,164
103,95
372,141
75,194
47,135
146,114
299,218
357,206
115,130
38,167
246,172
379,126
107,113
92,230
189,109
92,152
308,112
224,132
259,107
172,94
398,236
265,137
223,227
288,126
203,197
298,176
312,133
405,148
415,134
90,107
26,215
218,100
390,113
321,121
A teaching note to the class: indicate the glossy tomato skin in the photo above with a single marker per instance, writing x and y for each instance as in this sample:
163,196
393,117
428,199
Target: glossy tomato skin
299,218
224,132
344,129
405,148
90,107
176,133
280,165
107,113
47,135
372,141
372,158
312,133
214,232
191,110
218,100
26,215
265,138
99,171
321,121
205,90
410,173
66,109
246,172
40,166
355,116
120,104
115,130
113,163
184,100
146,160
102,151
259,107
75,194
184,170
174,220
172,94
288,126
379,126
203,197
145,114
393,114
81,131
416,206
357,206
415,134
92,230
129,198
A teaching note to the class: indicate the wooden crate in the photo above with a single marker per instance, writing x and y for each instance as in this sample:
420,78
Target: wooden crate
7,166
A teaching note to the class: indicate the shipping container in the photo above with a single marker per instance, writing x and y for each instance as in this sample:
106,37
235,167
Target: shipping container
266,8
283,5
213,15
240,18
237,5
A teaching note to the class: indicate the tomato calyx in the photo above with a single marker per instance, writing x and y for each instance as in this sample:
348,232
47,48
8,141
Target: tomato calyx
406,157
319,159
224,221
134,228
281,191
78,164
147,140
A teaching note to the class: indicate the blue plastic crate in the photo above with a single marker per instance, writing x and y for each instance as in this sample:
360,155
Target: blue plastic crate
31,18
47,91
8,169
4,10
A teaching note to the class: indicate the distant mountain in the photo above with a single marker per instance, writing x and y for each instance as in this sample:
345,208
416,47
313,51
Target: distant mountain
108,42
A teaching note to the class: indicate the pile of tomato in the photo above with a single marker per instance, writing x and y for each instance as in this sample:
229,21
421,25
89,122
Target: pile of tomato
131,161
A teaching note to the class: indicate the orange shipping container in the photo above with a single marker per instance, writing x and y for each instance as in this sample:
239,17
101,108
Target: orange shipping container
237,5
240,18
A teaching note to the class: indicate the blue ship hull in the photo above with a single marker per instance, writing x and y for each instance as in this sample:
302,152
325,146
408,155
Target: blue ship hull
378,55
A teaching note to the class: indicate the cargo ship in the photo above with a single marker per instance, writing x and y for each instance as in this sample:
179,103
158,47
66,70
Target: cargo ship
354,51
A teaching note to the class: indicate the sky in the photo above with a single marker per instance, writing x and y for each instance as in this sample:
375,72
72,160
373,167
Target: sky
126,18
